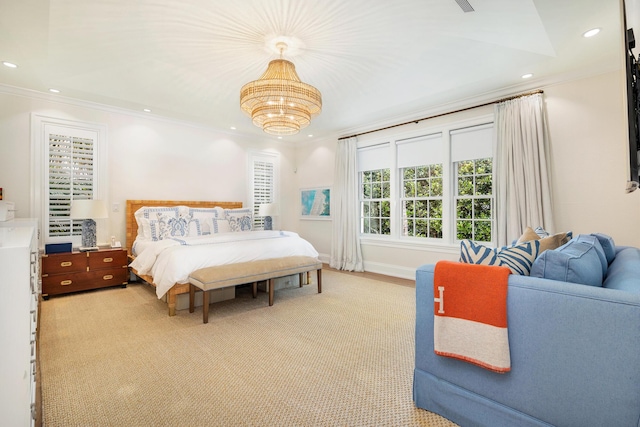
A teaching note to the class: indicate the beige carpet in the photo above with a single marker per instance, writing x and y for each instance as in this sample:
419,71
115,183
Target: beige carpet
340,358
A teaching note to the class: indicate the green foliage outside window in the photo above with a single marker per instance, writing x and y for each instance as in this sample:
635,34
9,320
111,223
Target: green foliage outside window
375,205
474,196
422,201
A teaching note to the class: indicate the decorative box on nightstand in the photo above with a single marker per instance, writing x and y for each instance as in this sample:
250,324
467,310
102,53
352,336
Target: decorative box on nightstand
79,271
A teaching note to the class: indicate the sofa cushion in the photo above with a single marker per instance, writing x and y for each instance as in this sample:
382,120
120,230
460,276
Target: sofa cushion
592,240
548,242
576,262
608,246
624,271
518,258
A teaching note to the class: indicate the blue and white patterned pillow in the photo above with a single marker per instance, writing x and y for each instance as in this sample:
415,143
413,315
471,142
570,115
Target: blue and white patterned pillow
240,219
204,214
146,214
518,258
195,227
172,227
219,225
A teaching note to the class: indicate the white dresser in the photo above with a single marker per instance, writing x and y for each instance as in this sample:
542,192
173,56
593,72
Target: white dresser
19,279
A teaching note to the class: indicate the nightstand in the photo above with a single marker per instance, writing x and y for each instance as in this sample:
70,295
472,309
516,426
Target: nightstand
80,271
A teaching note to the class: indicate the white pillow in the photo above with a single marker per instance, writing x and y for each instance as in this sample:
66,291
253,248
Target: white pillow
203,214
217,225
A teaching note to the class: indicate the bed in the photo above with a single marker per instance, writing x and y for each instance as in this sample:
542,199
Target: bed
166,263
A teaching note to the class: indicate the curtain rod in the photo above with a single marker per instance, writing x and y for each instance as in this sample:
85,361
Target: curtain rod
509,98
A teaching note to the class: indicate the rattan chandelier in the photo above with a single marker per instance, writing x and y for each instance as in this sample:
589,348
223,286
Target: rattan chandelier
278,101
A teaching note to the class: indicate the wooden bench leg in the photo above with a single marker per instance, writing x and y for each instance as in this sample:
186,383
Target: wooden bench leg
319,280
205,306
192,298
300,276
254,289
271,292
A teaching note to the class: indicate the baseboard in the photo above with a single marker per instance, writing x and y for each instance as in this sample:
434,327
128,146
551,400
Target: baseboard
390,270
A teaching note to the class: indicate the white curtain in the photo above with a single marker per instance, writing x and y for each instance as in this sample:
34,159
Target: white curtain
523,189
346,253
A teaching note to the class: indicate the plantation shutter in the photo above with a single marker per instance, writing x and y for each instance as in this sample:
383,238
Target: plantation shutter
71,176
263,187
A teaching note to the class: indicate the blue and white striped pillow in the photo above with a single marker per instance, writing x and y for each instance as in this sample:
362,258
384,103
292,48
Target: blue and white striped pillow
518,258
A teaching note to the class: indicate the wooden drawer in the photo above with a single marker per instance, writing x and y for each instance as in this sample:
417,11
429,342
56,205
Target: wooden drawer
107,259
65,283
105,278
64,263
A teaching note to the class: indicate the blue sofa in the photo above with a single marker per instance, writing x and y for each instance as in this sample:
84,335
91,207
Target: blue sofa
575,347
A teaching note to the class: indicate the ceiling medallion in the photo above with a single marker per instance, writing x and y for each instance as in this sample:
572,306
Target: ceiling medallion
278,101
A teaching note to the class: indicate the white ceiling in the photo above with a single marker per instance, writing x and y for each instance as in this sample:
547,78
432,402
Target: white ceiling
375,61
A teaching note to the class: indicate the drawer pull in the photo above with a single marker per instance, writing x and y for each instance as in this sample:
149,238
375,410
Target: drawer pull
107,260
66,282
66,264
107,277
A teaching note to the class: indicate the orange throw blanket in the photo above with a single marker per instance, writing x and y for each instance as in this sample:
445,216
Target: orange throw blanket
470,314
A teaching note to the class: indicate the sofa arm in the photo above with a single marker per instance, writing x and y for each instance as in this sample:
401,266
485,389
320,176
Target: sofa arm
575,352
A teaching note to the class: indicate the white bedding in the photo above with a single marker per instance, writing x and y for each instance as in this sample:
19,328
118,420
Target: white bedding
170,261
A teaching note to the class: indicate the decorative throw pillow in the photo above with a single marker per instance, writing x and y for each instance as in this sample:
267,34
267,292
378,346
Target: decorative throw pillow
218,225
576,262
608,246
195,227
172,227
518,258
149,213
203,214
240,219
548,242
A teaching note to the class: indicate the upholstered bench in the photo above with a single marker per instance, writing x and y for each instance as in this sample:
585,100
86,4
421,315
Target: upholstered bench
223,276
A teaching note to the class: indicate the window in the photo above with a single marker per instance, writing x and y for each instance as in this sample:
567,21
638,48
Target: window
375,189
375,200
70,164
472,156
474,199
421,196
436,187
422,201
263,183
71,177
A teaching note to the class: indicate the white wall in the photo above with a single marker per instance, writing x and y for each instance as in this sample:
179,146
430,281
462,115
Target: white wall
589,173
155,159
148,159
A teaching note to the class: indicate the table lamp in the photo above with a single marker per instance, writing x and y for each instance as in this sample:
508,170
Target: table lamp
88,210
267,210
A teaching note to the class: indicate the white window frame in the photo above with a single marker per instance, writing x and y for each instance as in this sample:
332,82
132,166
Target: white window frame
256,199
41,127
449,238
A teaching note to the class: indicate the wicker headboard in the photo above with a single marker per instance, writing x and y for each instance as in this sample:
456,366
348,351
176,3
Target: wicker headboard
134,205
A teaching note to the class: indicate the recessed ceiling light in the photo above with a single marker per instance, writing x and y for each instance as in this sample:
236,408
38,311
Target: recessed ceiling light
54,90
9,64
527,76
309,135
591,33
279,137
146,110
233,128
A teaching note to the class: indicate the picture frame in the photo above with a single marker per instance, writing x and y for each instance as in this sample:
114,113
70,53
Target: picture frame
315,203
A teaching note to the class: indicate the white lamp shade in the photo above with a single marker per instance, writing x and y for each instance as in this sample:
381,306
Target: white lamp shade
268,209
88,209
